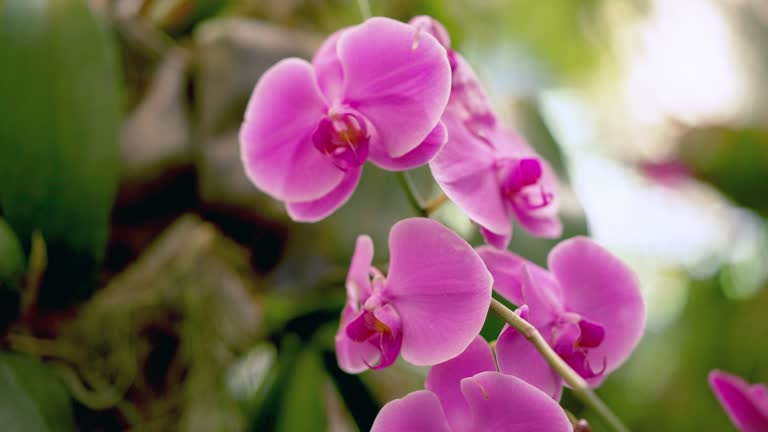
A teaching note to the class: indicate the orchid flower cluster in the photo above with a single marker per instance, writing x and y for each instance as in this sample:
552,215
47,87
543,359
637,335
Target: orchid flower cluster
397,95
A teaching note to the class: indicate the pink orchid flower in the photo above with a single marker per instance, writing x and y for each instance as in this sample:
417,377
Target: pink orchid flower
746,405
588,307
486,169
467,394
373,92
429,307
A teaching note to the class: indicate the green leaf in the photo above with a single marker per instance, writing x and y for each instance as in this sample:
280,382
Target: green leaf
291,397
303,403
357,397
12,263
59,121
32,398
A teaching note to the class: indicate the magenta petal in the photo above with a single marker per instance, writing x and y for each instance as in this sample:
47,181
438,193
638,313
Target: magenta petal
599,287
503,403
275,143
419,156
444,380
401,87
352,356
358,279
543,303
330,75
465,170
313,211
426,23
747,410
497,240
506,269
518,357
439,286
418,411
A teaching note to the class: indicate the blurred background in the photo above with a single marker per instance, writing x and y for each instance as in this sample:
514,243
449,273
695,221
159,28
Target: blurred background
147,286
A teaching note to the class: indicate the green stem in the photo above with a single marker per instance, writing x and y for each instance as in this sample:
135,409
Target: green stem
365,9
434,204
410,193
578,385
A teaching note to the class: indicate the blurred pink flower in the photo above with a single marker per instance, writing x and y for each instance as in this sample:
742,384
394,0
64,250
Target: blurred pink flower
746,405
467,394
489,171
588,307
429,307
371,93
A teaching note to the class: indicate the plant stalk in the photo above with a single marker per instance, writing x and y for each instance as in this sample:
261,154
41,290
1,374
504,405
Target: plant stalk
578,385
365,9
410,193
434,204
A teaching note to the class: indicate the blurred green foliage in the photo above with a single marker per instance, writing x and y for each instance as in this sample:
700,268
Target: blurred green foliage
732,159
59,120
12,265
32,397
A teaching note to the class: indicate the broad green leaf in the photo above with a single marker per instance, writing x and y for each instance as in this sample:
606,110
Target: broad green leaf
11,272
59,120
357,397
303,402
11,257
32,398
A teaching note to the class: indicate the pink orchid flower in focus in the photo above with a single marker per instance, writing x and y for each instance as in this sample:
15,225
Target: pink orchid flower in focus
429,307
588,307
466,394
486,169
746,405
373,92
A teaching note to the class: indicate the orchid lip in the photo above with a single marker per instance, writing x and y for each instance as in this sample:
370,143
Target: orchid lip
521,183
342,137
573,337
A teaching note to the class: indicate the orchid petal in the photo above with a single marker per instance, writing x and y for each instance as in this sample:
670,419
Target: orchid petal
497,240
432,26
465,170
444,380
503,403
419,156
358,282
599,287
275,138
439,286
315,210
747,410
506,268
517,356
399,83
417,411
542,302
328,69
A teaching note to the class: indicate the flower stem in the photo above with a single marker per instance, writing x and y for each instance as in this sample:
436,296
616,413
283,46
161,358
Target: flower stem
578,385
432,205
365,9
410,193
